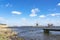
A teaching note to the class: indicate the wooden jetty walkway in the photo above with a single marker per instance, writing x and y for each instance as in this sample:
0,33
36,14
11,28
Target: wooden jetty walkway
47,29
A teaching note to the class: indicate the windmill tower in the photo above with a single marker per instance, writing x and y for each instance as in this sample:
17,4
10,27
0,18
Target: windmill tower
36,24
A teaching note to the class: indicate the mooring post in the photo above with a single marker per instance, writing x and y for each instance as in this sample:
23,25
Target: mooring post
46,31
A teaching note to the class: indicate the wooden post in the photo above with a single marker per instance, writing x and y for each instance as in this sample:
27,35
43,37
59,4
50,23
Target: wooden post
46,31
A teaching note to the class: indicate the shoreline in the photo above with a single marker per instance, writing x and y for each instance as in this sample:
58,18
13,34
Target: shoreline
8,34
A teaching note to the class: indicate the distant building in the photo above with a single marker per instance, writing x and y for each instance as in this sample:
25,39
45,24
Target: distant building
50,25
3,25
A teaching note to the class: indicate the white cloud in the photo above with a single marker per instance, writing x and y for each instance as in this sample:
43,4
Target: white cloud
8,5
42,16
58,4
16,12
34,11
55,14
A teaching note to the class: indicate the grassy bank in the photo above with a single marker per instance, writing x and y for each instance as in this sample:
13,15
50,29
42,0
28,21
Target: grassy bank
9,35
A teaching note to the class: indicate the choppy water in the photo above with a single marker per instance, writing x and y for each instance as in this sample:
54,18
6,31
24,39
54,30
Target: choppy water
36,34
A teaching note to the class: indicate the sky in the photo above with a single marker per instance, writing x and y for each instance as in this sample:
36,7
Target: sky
29,12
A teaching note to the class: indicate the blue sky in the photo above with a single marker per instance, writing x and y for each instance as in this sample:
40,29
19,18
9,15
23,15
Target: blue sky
29,12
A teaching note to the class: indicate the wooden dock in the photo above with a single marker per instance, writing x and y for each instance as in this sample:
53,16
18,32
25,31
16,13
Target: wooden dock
47,29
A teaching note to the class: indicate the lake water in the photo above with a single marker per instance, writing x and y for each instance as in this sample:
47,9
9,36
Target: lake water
29,33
